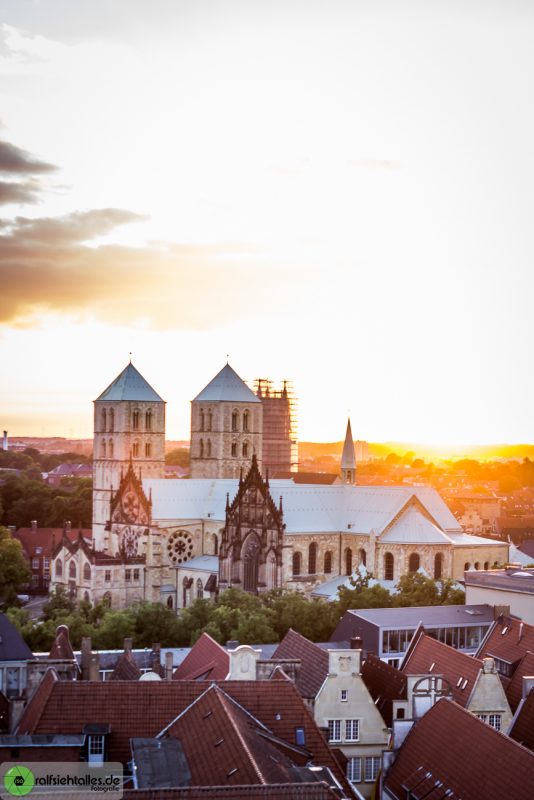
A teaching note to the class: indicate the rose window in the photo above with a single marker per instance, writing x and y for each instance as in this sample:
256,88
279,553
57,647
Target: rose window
180,547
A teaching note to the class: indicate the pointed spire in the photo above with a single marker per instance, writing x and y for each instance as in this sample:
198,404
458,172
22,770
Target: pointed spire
281,508
227,501
348,458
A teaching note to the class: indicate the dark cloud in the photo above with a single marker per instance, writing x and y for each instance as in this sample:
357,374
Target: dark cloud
11,192
15,160
53,265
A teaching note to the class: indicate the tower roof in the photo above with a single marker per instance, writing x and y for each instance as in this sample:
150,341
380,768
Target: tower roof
348,458
130,385
227,385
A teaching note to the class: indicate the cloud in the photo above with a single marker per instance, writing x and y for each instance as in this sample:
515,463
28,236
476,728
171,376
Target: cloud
17,161
11,192
52,265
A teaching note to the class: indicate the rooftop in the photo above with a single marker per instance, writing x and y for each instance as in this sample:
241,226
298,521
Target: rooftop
509,639
130,385
411,616
518,579
522,727
12,645
207,660
226,386
314,661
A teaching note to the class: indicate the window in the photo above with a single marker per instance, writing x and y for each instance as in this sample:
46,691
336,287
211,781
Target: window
486,564
312,559
234,449
135,449
296,563
59,568
169,601
46,563
352,730
103,449
354,770
148,420
438,566
135,420
235,418
372,767
245,449
467,566
348,561
328,562
128,575
414,562
111,420
107,575
477,565
495,721
202,448
389,566
245,420
35,563
363,557
86,572
215,544
201,419
104,419
200,589
300,737
208,448
111,448
72,569
344,695
96,750
35,581
136,574
334,730
148,449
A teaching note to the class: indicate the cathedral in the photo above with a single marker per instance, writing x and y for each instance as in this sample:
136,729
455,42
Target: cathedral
241,520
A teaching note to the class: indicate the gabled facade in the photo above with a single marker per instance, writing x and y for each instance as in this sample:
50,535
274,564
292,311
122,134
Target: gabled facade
251,553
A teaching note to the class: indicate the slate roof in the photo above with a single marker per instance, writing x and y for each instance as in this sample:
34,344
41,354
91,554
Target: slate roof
138,709
207,660
435,751
159,763
413,526
384,683
509,639
314,662
130,385
522,727
514,689
12,645
509,580
459,669
348,458
227,386
287,791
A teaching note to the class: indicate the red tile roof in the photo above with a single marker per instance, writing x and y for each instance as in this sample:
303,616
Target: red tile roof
126,668
207,660
385,684
138,709
314,661
301,791
430,656
514,689
522,728
46,539
508,639
435,750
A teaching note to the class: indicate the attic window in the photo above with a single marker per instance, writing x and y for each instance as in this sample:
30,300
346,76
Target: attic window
232,772
464,684
431,667
458,682
504,630
300,737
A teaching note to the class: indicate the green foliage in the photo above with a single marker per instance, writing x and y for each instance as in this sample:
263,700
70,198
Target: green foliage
178,457
14,571
58,604
25,498
415,589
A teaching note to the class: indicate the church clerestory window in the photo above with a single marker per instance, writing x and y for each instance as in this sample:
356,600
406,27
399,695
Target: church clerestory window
296,563
414,562
438,566
363,557
86,572
389,566
200,589
312,559
328,562
348,561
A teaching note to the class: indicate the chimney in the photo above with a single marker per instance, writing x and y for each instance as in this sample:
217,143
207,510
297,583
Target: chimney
168,666
34,525
356,643
4,441
87,652
501,611
128,645
94,667
528,685
155,659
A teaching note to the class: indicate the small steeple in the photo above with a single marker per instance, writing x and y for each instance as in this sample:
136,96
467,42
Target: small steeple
348,458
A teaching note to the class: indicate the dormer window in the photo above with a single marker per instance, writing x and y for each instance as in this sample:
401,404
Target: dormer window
148,420
135,420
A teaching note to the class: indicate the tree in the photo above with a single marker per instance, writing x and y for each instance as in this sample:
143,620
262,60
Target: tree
178,457
58,604
415,589
14,570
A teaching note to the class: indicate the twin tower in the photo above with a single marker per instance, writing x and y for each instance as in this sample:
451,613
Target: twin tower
229,424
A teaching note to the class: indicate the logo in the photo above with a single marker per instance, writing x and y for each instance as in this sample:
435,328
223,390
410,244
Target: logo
19,781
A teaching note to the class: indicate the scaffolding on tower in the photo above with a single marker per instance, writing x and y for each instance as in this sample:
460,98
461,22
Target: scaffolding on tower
280,451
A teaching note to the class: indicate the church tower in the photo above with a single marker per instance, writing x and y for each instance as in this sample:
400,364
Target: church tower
129,425
348,458
226,427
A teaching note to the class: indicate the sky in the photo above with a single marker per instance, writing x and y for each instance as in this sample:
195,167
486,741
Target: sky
335,192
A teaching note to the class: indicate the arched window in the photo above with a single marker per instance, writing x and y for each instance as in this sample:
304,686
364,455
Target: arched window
438,566
467,566
477,564
148,420
234,449
202,448
200,589
111,448
245,449
245,420
72,569
169,601
148,449
312,559
210,418
486,564
251,558
296,563
104,419
348,561
186,591
328,562
135,420
414,562
135,449
107,599
201,419
111,420
104,449
363,557
235,418
86,572
389,566
215,544
271,571
59,568
208,448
